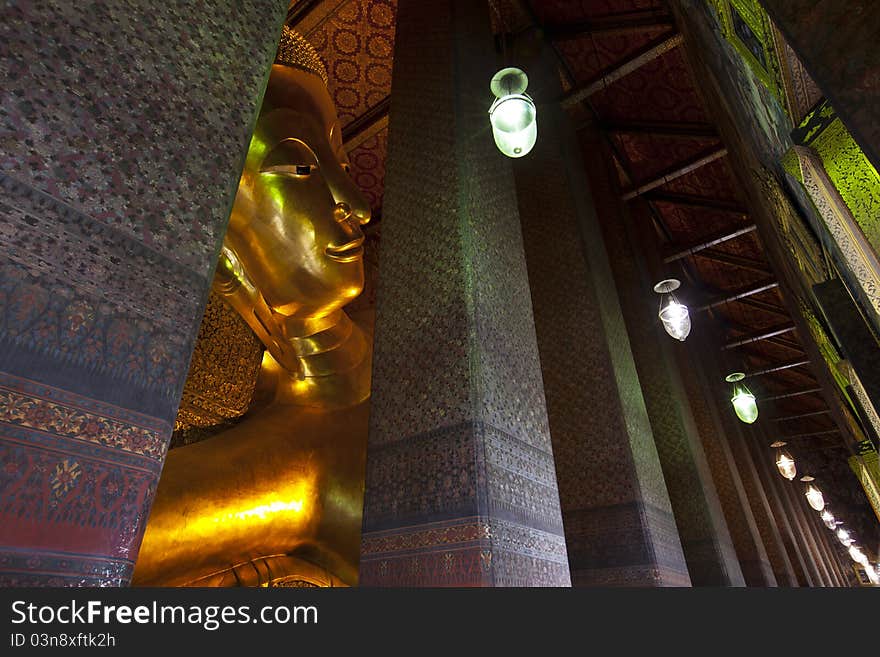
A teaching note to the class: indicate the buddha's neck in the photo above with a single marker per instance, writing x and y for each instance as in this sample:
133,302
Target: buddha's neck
334,359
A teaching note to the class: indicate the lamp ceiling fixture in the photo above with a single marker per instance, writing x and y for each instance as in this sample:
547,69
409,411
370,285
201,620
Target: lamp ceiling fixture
815,498
784,461
513,114
743,400
844,537
674,315
858,556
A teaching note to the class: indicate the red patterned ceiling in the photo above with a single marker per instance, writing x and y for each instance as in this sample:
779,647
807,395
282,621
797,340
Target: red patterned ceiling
355,38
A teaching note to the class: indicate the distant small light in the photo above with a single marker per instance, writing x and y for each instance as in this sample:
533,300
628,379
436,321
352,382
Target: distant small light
743,400
828,519
674,315
858,556
513,114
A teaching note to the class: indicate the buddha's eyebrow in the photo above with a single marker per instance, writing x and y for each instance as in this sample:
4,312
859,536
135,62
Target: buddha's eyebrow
282,149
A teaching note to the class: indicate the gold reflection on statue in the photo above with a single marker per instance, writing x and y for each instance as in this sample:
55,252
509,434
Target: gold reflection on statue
278,497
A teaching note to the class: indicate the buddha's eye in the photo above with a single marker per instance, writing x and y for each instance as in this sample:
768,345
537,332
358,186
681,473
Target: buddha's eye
291,157
346,167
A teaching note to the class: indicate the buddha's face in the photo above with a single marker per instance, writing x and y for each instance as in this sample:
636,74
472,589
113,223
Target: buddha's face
295,222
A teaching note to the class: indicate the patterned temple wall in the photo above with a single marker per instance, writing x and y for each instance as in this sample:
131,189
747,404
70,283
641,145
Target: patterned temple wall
123,128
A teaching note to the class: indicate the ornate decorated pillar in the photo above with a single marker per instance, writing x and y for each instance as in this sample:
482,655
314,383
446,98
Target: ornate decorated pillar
753,555
461,484
772,526
619,525
124,130
708,548
784,514
821,535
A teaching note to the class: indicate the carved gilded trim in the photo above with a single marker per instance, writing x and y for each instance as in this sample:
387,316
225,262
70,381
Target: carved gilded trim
747,27
867,471
855,383
858,253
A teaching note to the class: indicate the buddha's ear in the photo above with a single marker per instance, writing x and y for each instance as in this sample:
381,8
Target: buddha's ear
233,284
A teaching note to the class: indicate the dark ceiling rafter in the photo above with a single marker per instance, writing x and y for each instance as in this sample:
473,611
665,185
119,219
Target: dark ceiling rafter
662,128
759,266
811,434
631,22
799,416
778,367
794,393
757,336
732,325
763,305
612,74
677,171
740,293
366,120
678,251
298,10
698,202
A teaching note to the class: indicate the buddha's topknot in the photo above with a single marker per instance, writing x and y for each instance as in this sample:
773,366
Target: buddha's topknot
298,53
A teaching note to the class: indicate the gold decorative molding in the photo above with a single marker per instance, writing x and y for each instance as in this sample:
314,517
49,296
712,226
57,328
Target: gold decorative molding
858,253
855,383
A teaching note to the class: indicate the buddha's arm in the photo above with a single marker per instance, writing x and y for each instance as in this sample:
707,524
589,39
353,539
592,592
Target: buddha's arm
289,480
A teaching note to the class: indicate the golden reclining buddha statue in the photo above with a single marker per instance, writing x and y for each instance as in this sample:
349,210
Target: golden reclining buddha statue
278,497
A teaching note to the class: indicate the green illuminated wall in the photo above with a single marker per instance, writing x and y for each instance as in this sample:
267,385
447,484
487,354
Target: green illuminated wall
745,24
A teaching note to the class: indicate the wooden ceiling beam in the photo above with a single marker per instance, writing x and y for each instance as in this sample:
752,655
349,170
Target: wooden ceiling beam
677,252
763,305
352,133
735,295
679,171
613,24
742,262
800,362
794,393
699,202
298,11
811,434
799,416
609,76
757,336
661,128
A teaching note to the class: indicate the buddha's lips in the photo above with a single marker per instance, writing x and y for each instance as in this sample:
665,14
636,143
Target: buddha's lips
348,252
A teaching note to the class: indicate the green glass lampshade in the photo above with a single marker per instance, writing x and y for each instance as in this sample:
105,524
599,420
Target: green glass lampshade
513,114
743,400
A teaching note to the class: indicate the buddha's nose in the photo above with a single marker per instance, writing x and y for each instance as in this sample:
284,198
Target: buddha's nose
342,211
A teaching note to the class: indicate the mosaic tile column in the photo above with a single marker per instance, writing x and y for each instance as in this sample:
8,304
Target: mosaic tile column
783,513
618,520
750,549
821,533
802,534
461,485
763,511
123,127
708,548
